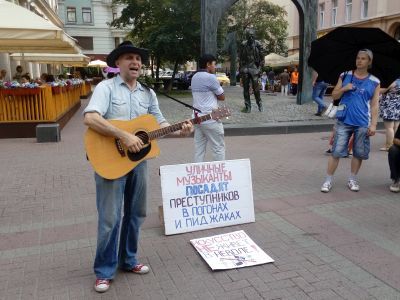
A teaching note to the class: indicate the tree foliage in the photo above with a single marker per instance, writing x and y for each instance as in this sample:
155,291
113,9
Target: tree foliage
268,20
170,29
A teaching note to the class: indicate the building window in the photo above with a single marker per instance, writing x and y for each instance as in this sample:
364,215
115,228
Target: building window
87,15
364,9
349,5
71,14
321,15
334,12
86,42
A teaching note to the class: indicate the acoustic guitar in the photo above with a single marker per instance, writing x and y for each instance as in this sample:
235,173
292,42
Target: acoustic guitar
111,159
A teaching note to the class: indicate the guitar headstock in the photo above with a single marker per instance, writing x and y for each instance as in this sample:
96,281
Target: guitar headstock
220,113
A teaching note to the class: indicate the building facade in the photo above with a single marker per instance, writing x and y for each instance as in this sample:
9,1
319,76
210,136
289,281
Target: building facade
294,23
88,22
383,14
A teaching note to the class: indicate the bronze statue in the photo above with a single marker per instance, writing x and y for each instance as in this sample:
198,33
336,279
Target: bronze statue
251,59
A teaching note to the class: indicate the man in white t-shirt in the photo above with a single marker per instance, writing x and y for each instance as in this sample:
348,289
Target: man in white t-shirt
207,92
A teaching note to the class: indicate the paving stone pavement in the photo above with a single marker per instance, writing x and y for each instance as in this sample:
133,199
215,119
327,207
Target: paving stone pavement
341,245
277,108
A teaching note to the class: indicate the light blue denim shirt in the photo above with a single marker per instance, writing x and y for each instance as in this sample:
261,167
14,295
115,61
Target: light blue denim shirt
113,99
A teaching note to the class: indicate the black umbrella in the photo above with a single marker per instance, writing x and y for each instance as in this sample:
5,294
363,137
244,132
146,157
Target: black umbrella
336,52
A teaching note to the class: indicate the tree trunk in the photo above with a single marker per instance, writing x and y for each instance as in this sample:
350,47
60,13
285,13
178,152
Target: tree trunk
152,67
157,68
169,87
157,84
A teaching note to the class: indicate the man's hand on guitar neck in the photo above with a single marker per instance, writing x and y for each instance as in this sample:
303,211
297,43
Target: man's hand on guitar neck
187,129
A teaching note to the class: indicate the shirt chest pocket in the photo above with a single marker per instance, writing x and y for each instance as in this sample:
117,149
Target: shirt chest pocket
143,107
119,108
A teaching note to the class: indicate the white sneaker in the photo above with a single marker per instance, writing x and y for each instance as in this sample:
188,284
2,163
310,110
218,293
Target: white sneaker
353,185
102,285
326,187
395,187
140,269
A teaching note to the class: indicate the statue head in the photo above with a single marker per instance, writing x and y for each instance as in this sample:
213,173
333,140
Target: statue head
231,21
249,34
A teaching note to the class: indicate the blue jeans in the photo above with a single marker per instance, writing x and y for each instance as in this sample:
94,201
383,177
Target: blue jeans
318,93
129,192
361,144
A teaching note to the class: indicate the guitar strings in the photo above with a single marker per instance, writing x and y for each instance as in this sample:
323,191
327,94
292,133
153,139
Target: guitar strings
143,136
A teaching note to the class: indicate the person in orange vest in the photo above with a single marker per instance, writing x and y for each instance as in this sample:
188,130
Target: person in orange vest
294,81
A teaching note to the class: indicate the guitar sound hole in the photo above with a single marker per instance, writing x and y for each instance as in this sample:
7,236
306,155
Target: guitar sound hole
143,136
144,151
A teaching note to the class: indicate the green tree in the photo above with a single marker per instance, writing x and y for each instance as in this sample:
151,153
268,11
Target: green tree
268,20
170,29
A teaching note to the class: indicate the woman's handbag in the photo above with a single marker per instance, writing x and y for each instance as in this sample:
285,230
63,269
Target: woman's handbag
335,110
330,112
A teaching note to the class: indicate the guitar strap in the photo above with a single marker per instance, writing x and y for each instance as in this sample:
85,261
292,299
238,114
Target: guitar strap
196,119
168,96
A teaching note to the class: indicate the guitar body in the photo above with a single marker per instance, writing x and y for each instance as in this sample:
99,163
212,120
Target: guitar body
110,162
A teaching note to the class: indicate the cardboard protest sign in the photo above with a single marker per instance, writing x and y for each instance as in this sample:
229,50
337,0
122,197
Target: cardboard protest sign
230,250
206,195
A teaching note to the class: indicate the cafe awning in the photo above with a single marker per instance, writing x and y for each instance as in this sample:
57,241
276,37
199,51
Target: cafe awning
52,58
275,60
272,59
23,31
293,59
97,63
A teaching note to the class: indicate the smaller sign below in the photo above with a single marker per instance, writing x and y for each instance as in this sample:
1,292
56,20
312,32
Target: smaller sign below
230,250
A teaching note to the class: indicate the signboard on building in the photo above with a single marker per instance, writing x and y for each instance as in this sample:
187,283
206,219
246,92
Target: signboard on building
206,195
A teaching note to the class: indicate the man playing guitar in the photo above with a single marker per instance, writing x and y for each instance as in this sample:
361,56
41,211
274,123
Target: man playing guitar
122,98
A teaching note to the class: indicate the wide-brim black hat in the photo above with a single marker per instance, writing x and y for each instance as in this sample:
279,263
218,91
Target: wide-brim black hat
126,47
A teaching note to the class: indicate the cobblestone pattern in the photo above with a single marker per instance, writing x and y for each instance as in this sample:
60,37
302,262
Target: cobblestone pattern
277,108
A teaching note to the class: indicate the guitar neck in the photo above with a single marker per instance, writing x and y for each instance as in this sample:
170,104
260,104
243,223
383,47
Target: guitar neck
175,127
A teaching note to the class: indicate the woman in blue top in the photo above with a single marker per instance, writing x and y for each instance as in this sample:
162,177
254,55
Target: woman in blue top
357,114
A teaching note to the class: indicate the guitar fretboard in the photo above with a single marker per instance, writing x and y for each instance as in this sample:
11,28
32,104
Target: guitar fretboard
175,127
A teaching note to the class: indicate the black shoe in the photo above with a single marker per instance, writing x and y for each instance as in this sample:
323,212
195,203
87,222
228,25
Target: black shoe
260,108
246,110
318,114
329,151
